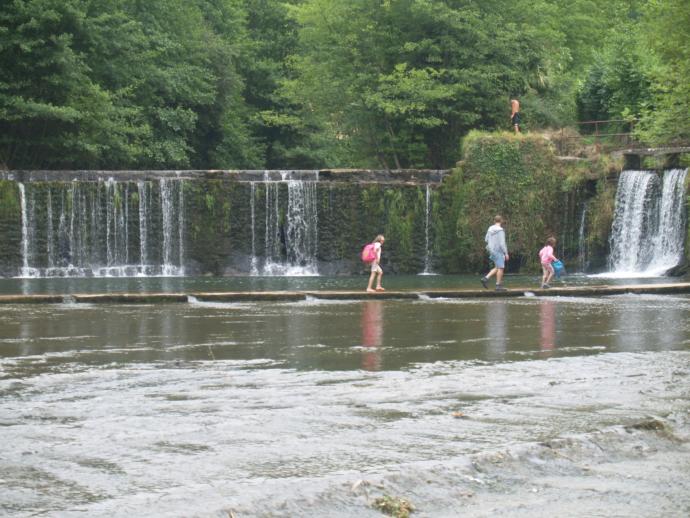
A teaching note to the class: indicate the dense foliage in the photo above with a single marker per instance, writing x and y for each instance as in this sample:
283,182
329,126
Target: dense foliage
122,83
666,32
324,83
515,176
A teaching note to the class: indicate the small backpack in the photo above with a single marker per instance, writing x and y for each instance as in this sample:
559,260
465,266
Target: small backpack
369,253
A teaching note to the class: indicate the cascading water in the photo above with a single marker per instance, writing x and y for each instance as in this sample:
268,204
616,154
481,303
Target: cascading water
87,229
25,270
116,245
272,246
173,218
427,251
143,222
302,225
668,242
582,239
291,247
635,208
649,221
254,266
127,223
51,239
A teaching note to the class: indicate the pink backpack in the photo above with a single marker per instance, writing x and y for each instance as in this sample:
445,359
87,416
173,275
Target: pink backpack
369,253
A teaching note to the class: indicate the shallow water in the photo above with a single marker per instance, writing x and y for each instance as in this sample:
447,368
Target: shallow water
522,407
216,284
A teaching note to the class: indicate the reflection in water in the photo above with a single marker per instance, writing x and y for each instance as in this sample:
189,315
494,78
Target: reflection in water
190,285
372,334
497,328
644,322
547,317
25,336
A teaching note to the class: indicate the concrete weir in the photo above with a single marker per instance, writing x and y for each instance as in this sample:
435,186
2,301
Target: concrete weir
282,296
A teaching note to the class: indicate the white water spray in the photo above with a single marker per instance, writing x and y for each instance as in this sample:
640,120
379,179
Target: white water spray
649,224
427,248
291,246
582,240
87,230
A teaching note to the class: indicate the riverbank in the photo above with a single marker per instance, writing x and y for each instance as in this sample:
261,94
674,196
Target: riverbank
258,296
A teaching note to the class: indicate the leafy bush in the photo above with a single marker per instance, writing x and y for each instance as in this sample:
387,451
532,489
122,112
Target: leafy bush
517,176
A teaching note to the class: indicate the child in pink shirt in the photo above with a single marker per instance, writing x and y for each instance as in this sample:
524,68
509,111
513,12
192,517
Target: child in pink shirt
376,267
546,257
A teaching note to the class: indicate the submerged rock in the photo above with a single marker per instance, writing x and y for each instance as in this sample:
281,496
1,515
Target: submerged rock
394,506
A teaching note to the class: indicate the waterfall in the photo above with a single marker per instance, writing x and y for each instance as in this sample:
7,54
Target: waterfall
85,230
668,242
635,207
62,255
649,222
143,224
112,223
254,269
302,237
291,245
26,270
117,235
582,240
125,221
172,215
427,240
96,230
272,245
165,223
49,223
167,218
72,237
180,226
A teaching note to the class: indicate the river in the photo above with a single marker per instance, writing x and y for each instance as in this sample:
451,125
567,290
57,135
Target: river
530,406
72,285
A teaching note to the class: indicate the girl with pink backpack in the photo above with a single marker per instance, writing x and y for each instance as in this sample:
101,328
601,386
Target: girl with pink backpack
371,254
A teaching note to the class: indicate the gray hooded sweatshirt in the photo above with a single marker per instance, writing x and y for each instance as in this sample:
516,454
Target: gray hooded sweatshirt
496,240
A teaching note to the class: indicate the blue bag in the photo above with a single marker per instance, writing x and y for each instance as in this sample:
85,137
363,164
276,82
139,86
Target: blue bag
558,268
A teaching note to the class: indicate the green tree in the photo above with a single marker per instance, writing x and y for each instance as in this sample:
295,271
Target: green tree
274,120
175,64
666,33
617,84
52,113
225,137
396,83
575,31
123,83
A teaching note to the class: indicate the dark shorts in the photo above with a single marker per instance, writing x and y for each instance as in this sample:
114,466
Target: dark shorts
515,119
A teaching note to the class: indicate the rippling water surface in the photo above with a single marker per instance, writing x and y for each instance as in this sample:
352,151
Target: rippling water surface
214,284
519,407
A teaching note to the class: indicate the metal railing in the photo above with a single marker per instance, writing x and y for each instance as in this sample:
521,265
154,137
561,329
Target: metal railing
608,135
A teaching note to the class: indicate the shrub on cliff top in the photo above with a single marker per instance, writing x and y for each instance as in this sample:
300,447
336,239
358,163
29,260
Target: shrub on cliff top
516,176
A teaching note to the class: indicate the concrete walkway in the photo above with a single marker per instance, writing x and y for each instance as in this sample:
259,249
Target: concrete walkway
257,296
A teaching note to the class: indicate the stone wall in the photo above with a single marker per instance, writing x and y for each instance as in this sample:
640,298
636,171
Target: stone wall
10,228
224,215
95,218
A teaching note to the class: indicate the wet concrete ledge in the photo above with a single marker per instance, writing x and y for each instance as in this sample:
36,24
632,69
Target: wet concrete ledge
394,176
283,296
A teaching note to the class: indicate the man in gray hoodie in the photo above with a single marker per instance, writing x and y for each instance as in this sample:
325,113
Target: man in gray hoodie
498,252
